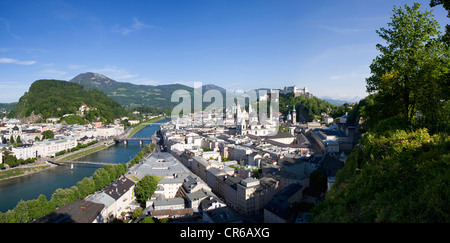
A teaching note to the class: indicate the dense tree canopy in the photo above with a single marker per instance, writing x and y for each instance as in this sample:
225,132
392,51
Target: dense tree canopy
410,76
309,108
145,188
401,170
396,177
26,211
446,5
55,98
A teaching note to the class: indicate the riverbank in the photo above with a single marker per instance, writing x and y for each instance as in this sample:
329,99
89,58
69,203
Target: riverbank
84,153
142,125
46,182
36,167
23,170
42,165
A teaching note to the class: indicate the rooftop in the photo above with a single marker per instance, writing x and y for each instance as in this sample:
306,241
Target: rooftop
79,211
160,164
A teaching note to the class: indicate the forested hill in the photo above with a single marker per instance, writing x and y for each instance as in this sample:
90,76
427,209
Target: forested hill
400,172
131,95
54,98
309,108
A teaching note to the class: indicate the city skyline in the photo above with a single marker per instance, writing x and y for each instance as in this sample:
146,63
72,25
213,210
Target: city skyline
325,46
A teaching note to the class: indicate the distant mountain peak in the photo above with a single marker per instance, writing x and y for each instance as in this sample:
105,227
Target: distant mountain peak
90,79
214,87
97,76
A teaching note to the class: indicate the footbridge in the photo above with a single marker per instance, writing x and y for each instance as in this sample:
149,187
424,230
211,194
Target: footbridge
126,140
78,162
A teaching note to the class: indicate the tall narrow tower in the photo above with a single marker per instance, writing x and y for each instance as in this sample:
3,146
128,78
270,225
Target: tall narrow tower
294,115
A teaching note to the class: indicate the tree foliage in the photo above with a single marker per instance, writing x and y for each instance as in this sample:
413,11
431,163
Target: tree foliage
308,108
410,76
446,5
48,134
145,188
399,176
401,170
26,211
54,98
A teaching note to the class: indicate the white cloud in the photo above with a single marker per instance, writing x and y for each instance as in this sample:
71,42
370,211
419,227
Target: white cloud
349,75
52,73
75,66
15,61
7,28
146,81
340,30
137,25
114,73
12,91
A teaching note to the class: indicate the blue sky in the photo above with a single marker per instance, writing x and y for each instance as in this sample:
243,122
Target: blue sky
326,46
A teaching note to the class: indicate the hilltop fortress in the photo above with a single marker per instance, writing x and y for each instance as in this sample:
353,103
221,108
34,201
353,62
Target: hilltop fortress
296,91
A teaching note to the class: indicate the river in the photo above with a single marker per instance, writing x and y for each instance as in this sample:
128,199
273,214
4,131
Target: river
46,182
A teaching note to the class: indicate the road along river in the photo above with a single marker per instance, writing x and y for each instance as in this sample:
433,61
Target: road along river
46,182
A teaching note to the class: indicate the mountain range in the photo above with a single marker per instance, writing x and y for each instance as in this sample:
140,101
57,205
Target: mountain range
341,100
132,95
155,96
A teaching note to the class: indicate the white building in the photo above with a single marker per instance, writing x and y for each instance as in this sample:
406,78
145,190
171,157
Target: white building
109,211
343,119
168,187
110,131
252,194
169,204
25,151
49,147
328,119
296,91
45,148
134,121
327,140
117,198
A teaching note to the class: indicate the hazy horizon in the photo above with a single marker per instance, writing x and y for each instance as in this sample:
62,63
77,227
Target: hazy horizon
326,46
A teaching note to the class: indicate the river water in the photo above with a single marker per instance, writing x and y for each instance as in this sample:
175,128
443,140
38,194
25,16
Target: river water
46,182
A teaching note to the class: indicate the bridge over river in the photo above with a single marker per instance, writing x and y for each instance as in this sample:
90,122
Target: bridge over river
126,140
153,139
78,162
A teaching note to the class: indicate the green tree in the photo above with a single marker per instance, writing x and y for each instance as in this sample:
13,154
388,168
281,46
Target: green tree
86,187
409,74
282,129
8,217
398,176
137,212
72,194
120,169
111,171
10,160
145,188
446,5
148,220
48,134
101,178
21,212
38,207
60,197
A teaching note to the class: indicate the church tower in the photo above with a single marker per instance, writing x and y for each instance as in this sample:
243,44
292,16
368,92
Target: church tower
294,115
